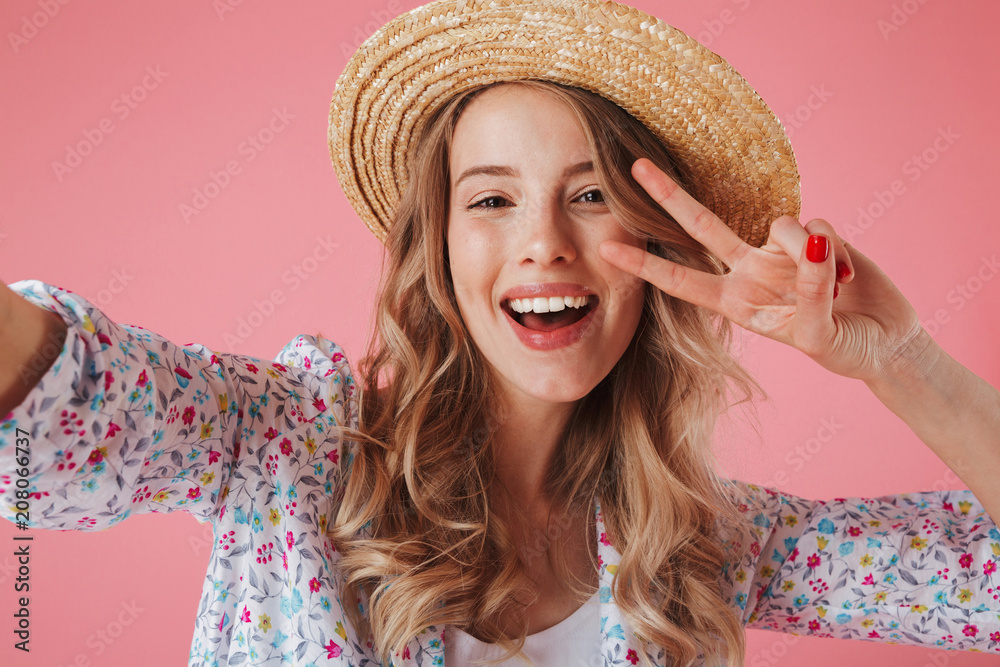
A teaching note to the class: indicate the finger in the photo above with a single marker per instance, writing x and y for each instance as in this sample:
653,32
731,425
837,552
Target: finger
789,235
844,264
697,287
814,296
703,225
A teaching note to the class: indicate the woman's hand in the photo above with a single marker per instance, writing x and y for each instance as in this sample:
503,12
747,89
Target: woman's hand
867,331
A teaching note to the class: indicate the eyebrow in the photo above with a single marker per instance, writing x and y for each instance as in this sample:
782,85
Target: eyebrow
503,170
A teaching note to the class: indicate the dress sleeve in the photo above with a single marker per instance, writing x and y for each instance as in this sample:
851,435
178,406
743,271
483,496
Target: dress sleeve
125,422
917,569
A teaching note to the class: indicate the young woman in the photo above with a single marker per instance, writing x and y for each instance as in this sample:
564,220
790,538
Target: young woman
549,362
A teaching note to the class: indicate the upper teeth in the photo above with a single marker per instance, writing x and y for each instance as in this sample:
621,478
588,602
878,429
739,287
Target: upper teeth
546,304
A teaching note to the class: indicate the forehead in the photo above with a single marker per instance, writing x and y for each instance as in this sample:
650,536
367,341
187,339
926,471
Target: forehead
514,123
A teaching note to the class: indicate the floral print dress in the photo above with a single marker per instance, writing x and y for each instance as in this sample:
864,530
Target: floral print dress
126,422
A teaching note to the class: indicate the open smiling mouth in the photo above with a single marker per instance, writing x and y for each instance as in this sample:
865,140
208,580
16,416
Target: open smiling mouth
549,313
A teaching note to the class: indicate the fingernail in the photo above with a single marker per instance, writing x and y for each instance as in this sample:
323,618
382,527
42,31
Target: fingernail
836,290
817,248
842,270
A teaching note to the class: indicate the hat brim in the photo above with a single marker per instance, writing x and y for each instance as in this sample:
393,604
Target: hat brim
702,110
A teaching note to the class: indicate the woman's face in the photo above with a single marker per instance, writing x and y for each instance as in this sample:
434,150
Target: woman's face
525,220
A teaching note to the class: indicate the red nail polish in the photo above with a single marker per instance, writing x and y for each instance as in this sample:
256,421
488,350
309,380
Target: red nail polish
836,290
817,248
842,271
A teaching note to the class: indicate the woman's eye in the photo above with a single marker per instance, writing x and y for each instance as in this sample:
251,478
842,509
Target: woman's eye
479,204
598,193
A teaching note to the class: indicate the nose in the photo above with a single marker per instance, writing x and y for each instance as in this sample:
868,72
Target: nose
546,236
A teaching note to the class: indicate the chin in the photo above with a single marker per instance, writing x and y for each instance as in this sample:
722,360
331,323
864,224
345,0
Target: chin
559,390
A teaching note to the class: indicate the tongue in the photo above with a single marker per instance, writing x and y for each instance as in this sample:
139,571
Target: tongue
552,321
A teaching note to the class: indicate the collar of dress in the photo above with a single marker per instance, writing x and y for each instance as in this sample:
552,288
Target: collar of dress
617,638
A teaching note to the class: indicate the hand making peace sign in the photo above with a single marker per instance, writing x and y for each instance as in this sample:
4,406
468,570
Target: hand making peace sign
779,290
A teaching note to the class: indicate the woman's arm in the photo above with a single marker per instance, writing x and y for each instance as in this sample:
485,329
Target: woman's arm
918,569
30,338
124,421
954,411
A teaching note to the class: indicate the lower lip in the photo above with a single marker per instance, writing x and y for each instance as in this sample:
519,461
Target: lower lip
552,340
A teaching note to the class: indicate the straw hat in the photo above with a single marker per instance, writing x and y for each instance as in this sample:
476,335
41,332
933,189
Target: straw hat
693,100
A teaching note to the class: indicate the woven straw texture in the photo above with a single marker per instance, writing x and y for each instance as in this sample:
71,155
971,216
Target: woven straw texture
691,98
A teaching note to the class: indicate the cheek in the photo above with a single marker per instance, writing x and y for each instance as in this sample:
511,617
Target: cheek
624,236
628,289
471,259
631,288
632,295
460,281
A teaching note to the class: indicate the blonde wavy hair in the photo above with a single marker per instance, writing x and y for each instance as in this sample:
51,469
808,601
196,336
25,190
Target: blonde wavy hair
440,548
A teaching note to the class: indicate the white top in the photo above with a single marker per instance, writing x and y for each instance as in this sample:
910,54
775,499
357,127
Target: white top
573,642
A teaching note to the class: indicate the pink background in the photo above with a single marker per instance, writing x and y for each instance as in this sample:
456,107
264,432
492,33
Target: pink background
111,229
